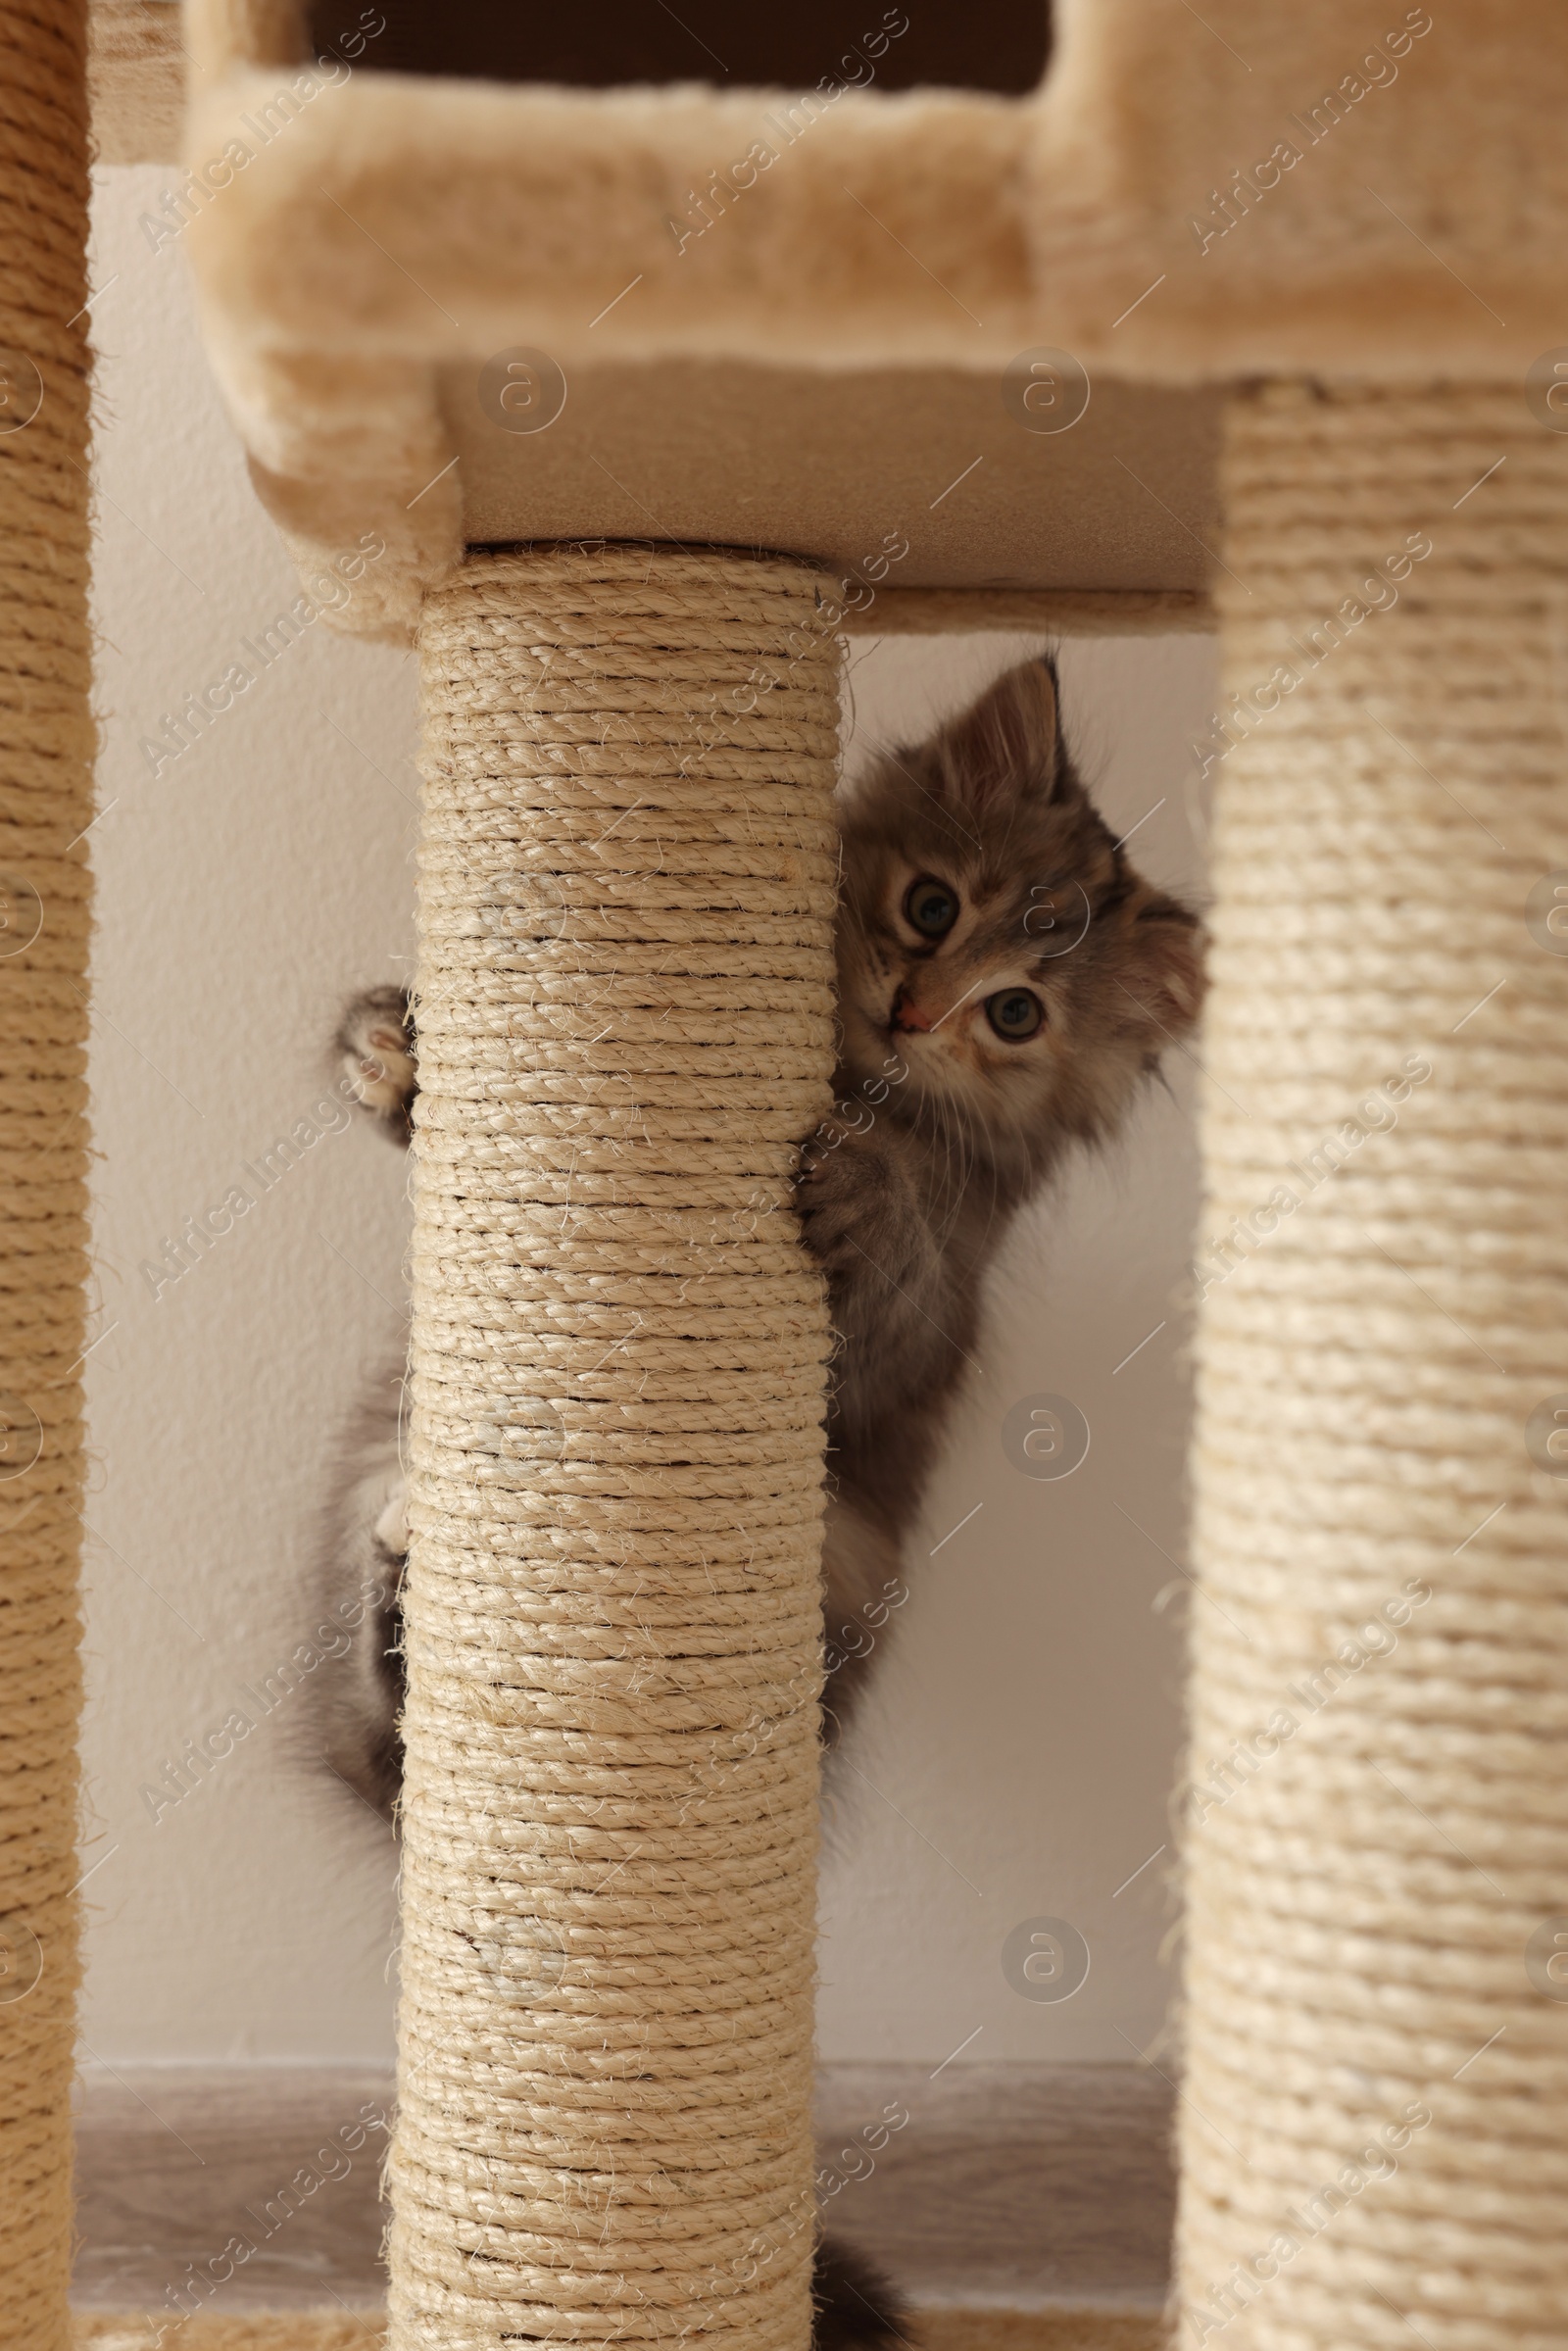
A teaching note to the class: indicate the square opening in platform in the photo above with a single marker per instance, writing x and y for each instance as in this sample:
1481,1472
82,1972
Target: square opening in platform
998,45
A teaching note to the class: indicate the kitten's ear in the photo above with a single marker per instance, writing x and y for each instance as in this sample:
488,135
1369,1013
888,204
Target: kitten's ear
1010,742
1162,977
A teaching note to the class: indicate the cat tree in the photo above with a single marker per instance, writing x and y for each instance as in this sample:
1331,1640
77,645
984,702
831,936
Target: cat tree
868,358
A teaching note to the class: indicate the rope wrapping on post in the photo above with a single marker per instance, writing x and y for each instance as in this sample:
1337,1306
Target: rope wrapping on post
612,1615
1374,2136
46,749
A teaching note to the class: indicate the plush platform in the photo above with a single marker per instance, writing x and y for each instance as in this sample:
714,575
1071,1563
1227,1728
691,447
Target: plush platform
786,315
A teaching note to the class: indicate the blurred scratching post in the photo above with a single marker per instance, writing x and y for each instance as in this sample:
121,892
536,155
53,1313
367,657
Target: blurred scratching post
46,745
1374,2131
625,1007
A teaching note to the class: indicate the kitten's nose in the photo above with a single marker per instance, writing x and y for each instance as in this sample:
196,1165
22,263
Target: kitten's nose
907,1015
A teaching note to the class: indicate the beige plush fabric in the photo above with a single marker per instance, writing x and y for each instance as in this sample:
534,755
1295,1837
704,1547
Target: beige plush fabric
1418,232
1192,195
905,481
505,211
1063,613
354,252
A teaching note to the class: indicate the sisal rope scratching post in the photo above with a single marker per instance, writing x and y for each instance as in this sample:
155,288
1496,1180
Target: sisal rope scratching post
1373,1842
626,1011
46,745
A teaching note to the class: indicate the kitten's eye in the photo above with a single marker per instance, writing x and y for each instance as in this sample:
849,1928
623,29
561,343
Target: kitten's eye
1015,1013
931,907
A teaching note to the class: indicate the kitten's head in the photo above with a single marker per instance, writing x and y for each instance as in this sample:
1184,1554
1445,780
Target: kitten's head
995,938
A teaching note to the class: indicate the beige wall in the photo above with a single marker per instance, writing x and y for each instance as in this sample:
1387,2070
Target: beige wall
1014,1757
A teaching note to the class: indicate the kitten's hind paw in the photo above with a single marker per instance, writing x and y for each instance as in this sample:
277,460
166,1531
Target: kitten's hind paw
377,1041
855,2309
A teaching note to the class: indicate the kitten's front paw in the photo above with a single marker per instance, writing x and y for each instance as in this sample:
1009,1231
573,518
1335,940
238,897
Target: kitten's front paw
380,1056
855,1204
391,1529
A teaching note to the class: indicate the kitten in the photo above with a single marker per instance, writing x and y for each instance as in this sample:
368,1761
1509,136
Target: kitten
1006,981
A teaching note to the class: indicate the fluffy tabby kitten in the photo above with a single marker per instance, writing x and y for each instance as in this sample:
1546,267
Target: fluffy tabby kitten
1006,981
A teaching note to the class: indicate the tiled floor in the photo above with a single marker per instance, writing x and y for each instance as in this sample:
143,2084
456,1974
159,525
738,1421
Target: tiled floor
1003,2187
173,2162
1010,2187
